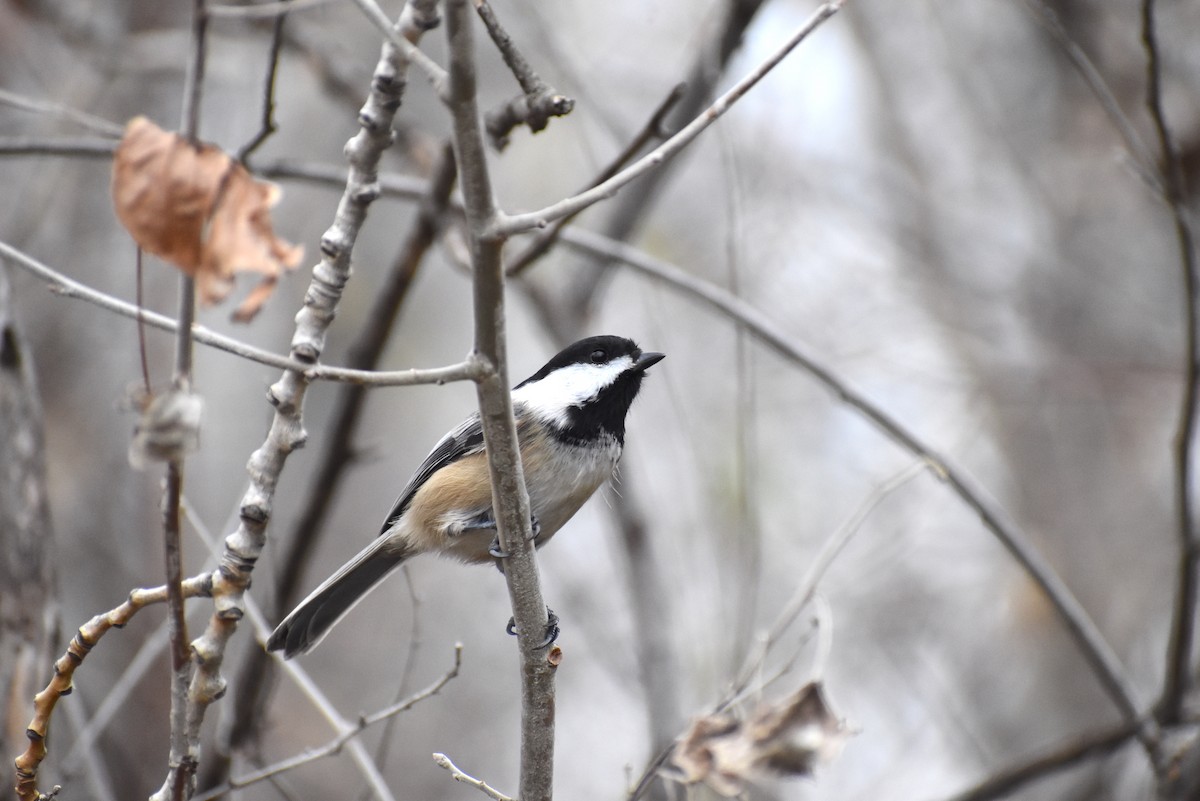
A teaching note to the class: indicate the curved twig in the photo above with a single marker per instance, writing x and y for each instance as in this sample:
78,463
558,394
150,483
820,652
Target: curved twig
506,225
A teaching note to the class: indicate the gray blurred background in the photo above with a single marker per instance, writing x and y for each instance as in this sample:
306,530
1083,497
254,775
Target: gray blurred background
925,194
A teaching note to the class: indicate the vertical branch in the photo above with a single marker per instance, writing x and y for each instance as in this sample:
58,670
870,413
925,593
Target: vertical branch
1183,627
267,126
510,500
244,546
183,753
194,81
182,760
241,720
28,606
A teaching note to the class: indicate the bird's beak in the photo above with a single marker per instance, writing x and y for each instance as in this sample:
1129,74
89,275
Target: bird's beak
647,360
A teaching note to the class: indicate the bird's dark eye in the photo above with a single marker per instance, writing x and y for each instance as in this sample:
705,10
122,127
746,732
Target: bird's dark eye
599,356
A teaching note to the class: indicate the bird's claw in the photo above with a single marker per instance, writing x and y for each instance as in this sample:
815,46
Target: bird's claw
497,552
552,629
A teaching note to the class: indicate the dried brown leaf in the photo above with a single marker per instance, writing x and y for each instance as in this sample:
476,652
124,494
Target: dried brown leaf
195,207
788,738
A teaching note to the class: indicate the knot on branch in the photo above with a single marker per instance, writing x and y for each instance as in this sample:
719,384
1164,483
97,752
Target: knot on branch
533,110
424,14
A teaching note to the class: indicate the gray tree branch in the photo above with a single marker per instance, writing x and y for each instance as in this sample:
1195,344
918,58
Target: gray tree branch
510,500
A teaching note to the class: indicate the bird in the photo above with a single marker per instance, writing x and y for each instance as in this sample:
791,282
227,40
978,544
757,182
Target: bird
570,419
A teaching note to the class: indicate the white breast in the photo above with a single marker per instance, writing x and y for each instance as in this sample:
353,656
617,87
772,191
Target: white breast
565,478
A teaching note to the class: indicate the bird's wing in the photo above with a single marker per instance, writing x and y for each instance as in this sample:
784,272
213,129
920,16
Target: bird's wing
463,441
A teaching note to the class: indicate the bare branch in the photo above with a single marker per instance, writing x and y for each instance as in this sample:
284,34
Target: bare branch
464,371
267,126
510,501
309,688
76,147
89,121
85,639
1139,153
1009,781
193,85
395,185
1177,681
539,101
184,752
544,239
443,761
265,10
347,732
404,40
506,225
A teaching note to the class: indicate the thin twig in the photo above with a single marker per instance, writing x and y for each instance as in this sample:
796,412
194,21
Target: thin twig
531,83
544,239
397,39
747,548
358,752
38,106
1063,758
1140,155
467,370
266,10
443,761
390,184
650,772
267,125
182,759
817,567
118,692
412,650
193,89
1177,681
710,62
184,741
141,325
69,147
506,225
538,102
85,639
347,733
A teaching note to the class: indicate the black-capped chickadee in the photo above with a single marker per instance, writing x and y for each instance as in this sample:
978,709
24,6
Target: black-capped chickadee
570,419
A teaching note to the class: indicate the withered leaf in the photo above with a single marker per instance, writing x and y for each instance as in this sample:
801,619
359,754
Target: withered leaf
788,738
195,207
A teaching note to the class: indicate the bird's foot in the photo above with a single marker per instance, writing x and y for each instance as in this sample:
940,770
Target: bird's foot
497,552
552,629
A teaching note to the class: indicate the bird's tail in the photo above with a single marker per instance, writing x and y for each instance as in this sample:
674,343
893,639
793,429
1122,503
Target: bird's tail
309,622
